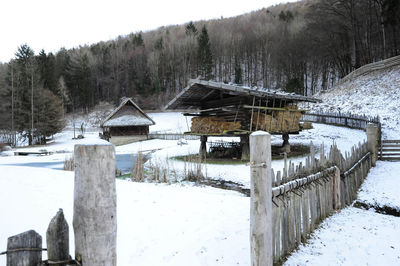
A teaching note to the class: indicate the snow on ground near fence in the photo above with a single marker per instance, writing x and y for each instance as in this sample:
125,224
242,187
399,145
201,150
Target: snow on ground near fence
352,237
377,93
158,224
381,188
356,236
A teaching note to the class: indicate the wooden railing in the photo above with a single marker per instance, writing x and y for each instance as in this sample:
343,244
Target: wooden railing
301,196
341,119
389,150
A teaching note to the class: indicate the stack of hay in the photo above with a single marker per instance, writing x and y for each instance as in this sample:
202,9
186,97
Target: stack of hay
212,125
280,121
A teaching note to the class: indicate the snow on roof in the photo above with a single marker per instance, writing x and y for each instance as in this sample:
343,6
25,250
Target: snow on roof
127,114
128,120
199,90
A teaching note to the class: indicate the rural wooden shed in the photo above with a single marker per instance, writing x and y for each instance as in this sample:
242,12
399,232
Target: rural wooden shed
126,123
220,109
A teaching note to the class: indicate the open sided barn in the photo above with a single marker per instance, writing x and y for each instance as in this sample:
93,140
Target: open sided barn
126,123
220,109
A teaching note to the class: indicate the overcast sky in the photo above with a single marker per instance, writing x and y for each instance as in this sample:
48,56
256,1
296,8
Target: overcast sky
52,24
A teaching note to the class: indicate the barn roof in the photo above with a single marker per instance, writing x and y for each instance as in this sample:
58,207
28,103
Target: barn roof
127,114
199,91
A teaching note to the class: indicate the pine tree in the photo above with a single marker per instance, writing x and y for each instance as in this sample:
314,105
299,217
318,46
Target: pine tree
204,55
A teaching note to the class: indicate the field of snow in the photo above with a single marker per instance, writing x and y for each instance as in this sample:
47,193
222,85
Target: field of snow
157,224
172,224
373,94
352,237
381,187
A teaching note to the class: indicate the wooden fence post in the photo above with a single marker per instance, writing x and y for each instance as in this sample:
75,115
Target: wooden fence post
372,140
24,249
261,200
95,220
57,239
336,190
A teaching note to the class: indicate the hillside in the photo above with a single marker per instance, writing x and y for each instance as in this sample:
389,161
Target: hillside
374,93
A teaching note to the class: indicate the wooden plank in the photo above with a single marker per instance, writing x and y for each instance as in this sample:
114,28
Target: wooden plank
391,141
389,145
273,108
390,150
276,230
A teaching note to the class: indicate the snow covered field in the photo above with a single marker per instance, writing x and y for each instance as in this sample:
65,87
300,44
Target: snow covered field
374,94
161,224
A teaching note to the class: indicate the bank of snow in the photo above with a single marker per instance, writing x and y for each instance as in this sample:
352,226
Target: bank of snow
157,224
375,94
381,187
352,237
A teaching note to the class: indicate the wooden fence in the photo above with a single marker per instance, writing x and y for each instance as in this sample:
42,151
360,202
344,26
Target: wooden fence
341,119
390,62
389,150
172,136
302,196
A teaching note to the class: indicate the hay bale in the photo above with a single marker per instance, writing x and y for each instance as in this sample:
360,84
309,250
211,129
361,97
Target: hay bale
212,125
282,121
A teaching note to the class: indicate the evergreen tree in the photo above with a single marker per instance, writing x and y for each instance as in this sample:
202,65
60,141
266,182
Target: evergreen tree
191,29
26,87
204,55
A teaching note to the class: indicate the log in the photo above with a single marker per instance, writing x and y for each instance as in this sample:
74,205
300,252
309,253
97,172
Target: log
95,205
261,204
24,249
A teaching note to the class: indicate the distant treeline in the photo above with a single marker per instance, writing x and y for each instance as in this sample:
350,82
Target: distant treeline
302,47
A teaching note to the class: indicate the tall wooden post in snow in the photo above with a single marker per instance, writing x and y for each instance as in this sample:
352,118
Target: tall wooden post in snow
372,140
261,199
95,212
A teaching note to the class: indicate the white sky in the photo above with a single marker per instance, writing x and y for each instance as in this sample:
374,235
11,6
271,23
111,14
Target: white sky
52,24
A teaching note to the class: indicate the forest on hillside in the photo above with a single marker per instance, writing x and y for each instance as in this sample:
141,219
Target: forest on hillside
300,47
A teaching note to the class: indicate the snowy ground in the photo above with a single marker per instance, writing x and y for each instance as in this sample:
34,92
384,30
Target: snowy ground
352,237
355,236
164,150
160,224
374,94
157,224
381,187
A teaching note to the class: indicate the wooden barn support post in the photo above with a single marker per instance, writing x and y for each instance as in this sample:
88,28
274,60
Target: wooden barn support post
261,228
24,249
336,190
372,140
95,205
244,144
203,147
57,239
285,145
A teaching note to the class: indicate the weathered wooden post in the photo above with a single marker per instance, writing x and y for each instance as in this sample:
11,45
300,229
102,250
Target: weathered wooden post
57,239
261,200
372,140
244,145
336,190
95,205
24,249
203,147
